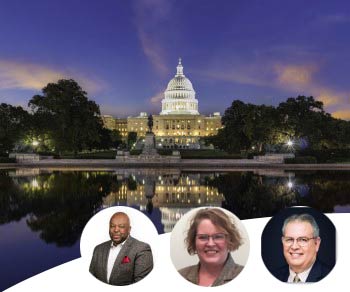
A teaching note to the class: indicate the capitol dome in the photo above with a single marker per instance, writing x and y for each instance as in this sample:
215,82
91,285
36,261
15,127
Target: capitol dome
180,82
179,97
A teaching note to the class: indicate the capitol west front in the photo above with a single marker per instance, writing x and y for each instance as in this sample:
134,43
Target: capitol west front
179,124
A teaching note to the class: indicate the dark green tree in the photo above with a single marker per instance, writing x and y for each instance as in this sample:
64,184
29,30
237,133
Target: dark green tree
37,131
132,138
247,126
231,137
304,118
261,126
116,138
71,119
105,141
14,121
336,133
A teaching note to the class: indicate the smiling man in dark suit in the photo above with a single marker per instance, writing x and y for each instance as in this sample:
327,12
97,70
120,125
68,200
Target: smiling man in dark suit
301,242
123,260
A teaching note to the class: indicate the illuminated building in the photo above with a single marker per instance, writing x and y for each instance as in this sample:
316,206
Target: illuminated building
179,124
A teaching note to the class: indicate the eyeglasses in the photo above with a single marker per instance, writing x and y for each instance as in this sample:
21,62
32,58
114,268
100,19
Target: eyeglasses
217,238
301,241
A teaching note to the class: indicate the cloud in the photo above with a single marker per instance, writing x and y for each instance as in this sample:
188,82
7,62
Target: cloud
153,52
156,99
245,74
149,16
342,114
300,79
329,97
24,75
294,75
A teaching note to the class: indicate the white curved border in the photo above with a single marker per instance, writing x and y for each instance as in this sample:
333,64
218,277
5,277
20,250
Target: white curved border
74,276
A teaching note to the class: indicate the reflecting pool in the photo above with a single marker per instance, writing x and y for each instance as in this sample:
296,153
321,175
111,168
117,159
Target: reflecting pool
43,212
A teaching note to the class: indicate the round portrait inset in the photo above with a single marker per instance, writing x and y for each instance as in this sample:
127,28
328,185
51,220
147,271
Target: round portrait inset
209,246
298,245
116,245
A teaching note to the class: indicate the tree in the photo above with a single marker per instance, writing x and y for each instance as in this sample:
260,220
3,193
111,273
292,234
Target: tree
132,138
231,137
304,118
261,126
247,126
116,138
105,141
109,139
13,123
71,119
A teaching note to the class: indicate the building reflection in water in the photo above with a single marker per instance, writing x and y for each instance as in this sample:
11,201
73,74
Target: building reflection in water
172,192
164,195
53,206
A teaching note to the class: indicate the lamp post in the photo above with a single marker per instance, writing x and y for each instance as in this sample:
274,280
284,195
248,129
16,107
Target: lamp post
35,144
290,145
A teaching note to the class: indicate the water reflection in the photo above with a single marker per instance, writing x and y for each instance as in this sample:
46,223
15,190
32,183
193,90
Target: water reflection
170,191
56,205
68,199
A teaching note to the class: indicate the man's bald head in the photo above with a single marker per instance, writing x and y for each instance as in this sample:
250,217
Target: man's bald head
119,227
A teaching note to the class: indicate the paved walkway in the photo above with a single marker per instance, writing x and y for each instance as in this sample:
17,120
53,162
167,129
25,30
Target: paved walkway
196,164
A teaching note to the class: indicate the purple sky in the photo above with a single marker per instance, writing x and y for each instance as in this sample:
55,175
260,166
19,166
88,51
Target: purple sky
123,53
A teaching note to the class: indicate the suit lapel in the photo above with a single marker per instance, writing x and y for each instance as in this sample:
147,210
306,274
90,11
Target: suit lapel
105,254
315,273
118,262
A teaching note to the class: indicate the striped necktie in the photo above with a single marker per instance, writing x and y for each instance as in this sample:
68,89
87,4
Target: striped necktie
296,279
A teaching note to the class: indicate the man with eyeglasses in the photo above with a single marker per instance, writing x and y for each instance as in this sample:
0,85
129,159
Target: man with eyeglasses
301,242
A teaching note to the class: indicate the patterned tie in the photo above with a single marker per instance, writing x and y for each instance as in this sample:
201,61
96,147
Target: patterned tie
296,279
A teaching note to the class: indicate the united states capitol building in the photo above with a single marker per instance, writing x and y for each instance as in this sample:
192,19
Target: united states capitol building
179,124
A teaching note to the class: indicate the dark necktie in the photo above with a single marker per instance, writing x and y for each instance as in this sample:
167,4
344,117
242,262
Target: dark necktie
296,279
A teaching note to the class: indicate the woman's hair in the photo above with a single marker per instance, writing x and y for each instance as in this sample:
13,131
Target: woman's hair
220,220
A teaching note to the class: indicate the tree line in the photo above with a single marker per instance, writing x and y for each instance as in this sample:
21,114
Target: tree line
63,119
299,123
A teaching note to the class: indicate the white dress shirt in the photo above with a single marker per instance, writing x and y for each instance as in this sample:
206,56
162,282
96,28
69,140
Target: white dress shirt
112,256
302,276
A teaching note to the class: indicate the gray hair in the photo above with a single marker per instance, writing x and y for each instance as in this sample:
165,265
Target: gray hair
302,218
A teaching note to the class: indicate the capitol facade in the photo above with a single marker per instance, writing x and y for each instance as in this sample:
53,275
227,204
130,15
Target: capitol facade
179,125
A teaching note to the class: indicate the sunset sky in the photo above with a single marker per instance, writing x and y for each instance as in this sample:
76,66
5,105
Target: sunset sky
123,53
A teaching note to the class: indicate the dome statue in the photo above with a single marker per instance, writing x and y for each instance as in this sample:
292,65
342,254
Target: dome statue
179,97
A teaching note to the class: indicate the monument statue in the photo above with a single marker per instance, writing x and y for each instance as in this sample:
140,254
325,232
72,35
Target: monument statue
150,123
